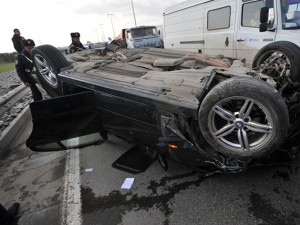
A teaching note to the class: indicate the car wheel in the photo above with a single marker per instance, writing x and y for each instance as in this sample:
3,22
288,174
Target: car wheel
48,61
272,59
243,117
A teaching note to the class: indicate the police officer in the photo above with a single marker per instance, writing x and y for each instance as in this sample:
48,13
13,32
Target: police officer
17,40
24,69
76,45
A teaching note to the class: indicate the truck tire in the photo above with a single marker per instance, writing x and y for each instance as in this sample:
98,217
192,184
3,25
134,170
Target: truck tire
290,54
243,118
48,61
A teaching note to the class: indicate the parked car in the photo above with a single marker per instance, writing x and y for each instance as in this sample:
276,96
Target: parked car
209,112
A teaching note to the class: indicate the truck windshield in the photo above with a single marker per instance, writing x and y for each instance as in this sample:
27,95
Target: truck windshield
142,32
290,14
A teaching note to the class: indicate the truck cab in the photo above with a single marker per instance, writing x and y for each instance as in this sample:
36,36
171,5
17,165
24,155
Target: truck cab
231,27
141,36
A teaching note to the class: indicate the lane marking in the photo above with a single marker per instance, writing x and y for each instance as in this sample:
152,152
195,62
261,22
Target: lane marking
71,206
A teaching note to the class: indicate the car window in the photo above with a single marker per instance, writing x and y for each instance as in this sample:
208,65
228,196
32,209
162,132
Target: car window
218,18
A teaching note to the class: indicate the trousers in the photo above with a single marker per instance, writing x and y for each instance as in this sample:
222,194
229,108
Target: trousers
36,94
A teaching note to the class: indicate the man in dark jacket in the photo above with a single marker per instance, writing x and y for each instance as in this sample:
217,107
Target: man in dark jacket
17,40
24,69
76,45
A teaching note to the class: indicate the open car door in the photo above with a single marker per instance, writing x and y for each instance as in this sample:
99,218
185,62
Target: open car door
65,122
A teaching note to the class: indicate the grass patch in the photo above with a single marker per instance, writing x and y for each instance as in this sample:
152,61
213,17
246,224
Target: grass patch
7,67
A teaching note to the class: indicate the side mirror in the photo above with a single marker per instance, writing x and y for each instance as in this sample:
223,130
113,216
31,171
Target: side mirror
263,27
264,14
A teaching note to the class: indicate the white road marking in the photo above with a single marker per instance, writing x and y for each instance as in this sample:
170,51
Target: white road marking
71,206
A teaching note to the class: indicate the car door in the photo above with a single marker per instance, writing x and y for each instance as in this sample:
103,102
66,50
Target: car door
65,122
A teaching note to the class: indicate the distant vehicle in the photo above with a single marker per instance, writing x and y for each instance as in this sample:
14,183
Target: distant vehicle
98,45
223,117
146,36
253,30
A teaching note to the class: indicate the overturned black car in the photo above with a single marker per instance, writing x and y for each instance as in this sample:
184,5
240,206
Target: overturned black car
209,112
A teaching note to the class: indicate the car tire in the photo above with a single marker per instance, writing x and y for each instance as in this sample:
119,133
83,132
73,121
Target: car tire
290,52
249,133
48,61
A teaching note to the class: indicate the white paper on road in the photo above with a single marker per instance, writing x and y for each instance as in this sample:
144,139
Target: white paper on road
88,170
127,183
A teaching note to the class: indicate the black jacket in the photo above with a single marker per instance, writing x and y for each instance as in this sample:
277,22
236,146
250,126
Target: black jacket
24,67
17,41
74,47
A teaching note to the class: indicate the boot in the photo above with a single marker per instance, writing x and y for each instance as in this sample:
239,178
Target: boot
13,210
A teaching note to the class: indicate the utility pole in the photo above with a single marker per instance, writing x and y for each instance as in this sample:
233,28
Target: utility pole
133,13
97,35
103,35
112,24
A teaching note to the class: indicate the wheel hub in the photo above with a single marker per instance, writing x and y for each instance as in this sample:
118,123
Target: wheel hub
239,123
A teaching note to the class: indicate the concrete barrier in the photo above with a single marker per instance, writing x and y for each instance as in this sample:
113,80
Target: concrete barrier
11,132
5,98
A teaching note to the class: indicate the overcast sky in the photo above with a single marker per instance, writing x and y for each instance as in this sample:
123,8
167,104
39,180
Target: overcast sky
52,21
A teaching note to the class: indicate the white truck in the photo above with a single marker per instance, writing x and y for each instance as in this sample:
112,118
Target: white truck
254,30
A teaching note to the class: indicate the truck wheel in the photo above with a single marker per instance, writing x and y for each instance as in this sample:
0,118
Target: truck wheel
243,118
48,61
289,53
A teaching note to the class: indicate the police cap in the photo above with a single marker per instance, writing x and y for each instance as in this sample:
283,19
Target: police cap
76,34
28,43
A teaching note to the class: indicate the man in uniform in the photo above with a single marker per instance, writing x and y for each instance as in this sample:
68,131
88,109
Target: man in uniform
17,40
76,45
24,69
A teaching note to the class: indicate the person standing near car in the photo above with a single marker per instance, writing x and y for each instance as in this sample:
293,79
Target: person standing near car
24,67
76,45
17,40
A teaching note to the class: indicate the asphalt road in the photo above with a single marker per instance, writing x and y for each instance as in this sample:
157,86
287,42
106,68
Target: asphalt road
49,186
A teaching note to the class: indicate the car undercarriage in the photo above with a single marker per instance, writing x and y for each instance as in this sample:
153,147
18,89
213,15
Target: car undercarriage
209,112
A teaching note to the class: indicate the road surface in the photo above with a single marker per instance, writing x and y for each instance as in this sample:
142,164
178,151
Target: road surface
81,187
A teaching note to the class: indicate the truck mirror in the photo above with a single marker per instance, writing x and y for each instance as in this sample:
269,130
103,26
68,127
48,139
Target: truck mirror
264,14
263,27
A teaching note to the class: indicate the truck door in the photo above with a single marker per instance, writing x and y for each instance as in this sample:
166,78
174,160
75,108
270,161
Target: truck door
248,38
129,39
219,27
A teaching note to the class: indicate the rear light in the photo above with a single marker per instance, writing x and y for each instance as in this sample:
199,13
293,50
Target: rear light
173,146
